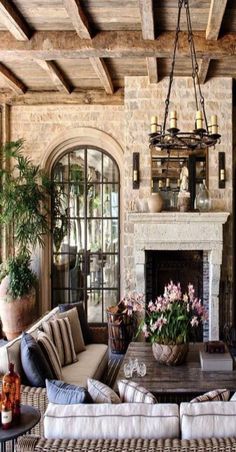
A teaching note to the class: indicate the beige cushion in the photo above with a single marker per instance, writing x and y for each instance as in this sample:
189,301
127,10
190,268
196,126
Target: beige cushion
11,351
207,420
130,391
217,394
50,352
59,331
116,421
91,364
101,393
76,331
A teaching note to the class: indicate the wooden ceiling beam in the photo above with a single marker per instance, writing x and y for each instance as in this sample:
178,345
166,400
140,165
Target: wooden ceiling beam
203,69
215,18
53,45
147,19
152,70
78,18
102,72
13,21
11,80
78,96
56,75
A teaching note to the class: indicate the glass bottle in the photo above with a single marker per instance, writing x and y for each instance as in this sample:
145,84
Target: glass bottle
11,385
203,199
6,414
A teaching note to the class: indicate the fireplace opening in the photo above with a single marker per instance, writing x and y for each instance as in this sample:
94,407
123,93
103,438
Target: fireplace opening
178,266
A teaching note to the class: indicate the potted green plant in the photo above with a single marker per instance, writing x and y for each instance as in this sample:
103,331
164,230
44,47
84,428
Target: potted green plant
23,202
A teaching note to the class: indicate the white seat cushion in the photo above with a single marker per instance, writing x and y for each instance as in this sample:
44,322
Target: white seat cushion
117,421
208,420
91,364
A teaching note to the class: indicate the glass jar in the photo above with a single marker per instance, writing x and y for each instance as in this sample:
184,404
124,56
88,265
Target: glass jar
203,198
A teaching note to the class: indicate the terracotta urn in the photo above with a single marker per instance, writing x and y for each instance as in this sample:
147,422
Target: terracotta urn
155,203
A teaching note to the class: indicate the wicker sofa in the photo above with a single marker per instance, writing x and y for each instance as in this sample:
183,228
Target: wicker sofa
36,396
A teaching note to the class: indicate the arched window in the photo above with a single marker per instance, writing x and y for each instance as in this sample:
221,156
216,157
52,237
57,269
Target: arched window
86,225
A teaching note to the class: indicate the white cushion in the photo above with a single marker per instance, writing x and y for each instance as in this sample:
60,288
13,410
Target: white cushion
106,421
207,420
91,364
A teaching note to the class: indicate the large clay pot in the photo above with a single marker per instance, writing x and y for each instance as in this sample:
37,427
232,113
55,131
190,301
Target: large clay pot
171,355
16,314
155,203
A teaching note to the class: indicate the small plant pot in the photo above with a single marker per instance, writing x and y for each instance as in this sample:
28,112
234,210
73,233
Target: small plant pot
170,355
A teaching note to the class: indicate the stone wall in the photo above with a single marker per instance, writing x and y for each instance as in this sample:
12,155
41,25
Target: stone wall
129,125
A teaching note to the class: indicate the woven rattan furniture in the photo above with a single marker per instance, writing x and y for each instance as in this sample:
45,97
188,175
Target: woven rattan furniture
176,383
29,443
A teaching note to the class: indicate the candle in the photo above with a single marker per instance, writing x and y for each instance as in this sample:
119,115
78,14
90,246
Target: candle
178,183
160,184
153,124
135,175
173,120
222,174
214,125
167,182
199,121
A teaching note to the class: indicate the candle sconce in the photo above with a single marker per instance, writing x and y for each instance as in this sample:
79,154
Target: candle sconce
136,180
221,165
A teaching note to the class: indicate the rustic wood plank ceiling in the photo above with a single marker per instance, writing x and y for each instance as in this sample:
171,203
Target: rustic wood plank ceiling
81,50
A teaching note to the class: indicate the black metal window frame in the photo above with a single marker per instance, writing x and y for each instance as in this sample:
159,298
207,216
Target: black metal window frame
86,218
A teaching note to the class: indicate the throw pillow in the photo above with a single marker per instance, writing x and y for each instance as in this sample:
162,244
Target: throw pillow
66,394
102,393
87,335
34,363
50,351
76,331
132,392
218,394
59,331
233,398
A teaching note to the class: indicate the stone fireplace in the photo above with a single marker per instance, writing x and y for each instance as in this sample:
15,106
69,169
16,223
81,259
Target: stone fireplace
192,231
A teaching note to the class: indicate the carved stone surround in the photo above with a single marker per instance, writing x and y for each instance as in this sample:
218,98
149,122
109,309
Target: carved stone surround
182,231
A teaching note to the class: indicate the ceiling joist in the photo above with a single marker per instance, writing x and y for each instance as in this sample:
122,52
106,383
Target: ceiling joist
147,19
103,74
11,80
55,74
152,70
53,45
203,69
216,14
78,18
13,21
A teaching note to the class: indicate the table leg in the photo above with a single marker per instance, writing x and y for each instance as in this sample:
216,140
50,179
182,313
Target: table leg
3,446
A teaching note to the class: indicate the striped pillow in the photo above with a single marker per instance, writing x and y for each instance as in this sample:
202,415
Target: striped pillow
218,394
101,393
132,392
50,351
59,331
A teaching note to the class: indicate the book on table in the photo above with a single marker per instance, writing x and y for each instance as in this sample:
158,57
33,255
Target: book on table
216,361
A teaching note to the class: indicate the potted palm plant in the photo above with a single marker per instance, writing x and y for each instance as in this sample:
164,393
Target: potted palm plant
23,203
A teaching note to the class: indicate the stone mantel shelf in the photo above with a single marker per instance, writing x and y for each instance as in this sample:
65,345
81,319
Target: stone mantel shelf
179,217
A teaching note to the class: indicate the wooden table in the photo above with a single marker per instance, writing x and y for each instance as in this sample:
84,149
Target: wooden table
177,383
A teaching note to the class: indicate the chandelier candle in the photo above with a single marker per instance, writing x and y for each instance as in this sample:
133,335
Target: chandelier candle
199,120
173,120
214,125
153,124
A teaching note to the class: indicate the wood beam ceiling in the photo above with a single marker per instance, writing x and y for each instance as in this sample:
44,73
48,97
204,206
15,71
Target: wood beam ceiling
148,32
203,69
53,45
78,18
13,21
217,9
55,74
11,80
103,74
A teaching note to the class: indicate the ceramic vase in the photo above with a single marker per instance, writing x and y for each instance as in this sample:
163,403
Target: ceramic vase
155,203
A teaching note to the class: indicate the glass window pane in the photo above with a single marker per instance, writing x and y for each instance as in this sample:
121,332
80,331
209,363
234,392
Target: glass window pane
94,235
94,306
110,236
77,166
61,169
94,201
110,298
77,234
77,201
94,278
110,200
110,170
110,270
94,162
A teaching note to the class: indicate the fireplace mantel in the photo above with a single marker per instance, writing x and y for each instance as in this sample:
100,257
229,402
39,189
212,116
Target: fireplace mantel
182,231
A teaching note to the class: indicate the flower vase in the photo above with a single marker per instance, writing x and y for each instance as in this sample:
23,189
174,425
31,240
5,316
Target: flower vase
170,354
155,202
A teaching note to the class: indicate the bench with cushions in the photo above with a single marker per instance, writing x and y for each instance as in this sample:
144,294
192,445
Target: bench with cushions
92,361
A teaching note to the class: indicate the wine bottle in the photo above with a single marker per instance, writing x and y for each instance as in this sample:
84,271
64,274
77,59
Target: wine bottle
11,384
6,414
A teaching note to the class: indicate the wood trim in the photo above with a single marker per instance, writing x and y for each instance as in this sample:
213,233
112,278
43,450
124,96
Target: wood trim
102,72
52,45
81,96
152,69
55,74
14,21
78,18
147,19
12,81
216,14
203,69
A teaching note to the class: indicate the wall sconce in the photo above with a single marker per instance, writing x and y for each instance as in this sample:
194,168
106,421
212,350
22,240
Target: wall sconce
221,165
136,170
